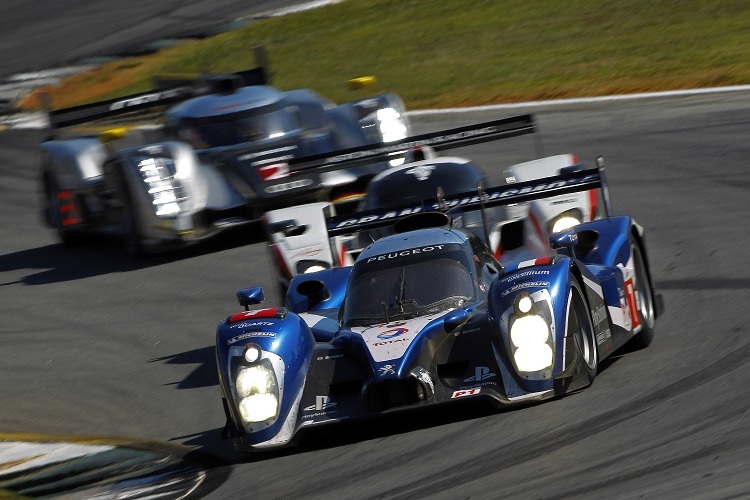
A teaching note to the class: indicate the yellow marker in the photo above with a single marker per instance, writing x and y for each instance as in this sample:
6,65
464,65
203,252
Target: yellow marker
113,134
361,82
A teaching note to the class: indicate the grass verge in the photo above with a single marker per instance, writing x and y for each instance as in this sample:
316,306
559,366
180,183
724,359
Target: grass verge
439,53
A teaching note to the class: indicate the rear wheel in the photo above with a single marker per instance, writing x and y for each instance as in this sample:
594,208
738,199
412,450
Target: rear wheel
581,329
131,234
644,299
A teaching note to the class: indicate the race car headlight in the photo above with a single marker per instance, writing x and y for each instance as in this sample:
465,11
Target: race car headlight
259,407
530,335
257,391
564,223
166,192
392,127
252,353
311,266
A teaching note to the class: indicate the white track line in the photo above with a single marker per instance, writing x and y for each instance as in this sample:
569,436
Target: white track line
582,100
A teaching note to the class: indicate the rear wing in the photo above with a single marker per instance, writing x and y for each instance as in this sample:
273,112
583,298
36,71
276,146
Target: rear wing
447,139
170,91
575,179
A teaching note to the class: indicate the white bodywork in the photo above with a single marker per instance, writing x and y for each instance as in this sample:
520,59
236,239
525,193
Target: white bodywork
296,253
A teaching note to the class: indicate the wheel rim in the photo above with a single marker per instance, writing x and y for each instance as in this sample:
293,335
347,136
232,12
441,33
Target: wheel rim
643,298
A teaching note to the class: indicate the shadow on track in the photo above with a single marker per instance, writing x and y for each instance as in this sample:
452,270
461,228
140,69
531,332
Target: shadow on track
210,444
103,255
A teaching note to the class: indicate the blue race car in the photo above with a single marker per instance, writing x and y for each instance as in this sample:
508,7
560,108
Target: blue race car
428,315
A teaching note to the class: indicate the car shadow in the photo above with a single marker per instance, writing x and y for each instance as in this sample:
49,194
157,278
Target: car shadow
101,255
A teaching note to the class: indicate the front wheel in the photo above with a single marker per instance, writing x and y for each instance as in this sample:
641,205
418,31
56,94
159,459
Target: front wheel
581,329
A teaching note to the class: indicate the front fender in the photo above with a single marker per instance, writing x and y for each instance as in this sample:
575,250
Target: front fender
286,344
548,285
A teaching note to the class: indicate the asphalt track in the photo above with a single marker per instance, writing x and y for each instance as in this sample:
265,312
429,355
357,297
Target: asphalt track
95,343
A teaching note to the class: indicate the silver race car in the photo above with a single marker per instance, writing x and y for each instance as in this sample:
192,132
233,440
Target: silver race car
213,154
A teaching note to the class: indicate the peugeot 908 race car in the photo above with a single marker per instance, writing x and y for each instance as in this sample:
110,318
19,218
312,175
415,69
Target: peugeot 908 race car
428,315
220,158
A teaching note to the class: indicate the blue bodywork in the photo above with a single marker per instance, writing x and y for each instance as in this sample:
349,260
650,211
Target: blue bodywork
338,366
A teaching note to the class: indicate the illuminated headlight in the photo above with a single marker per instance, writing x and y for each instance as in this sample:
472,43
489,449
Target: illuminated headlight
258,407
392,128
252,353
159,176
311,266
564,223
529,335
257,393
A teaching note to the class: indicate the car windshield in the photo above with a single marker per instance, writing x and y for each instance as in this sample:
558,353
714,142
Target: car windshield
245,126
395,286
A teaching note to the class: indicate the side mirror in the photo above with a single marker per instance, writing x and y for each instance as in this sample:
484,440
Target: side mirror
564,240
250,296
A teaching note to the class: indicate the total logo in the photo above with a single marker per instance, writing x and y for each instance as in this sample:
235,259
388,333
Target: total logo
321,403
481,373
389,334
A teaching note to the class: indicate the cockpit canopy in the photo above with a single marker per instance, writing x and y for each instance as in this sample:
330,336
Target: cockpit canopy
267,122
408,283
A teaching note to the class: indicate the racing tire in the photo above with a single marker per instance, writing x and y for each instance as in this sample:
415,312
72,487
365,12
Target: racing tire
131,235
579,321
53,214
644,298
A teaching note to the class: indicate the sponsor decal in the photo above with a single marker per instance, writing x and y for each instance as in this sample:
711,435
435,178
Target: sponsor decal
599,315
277,188
329,357
630,296
520,286
250,156
248,325
248,335
563,202
387,370
481,373
144,99
404,253
323,406
386,342
421,172
465,332
525,274
268,312
498,194
396,148
389,334
307,252
384,325
603,337
466,392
